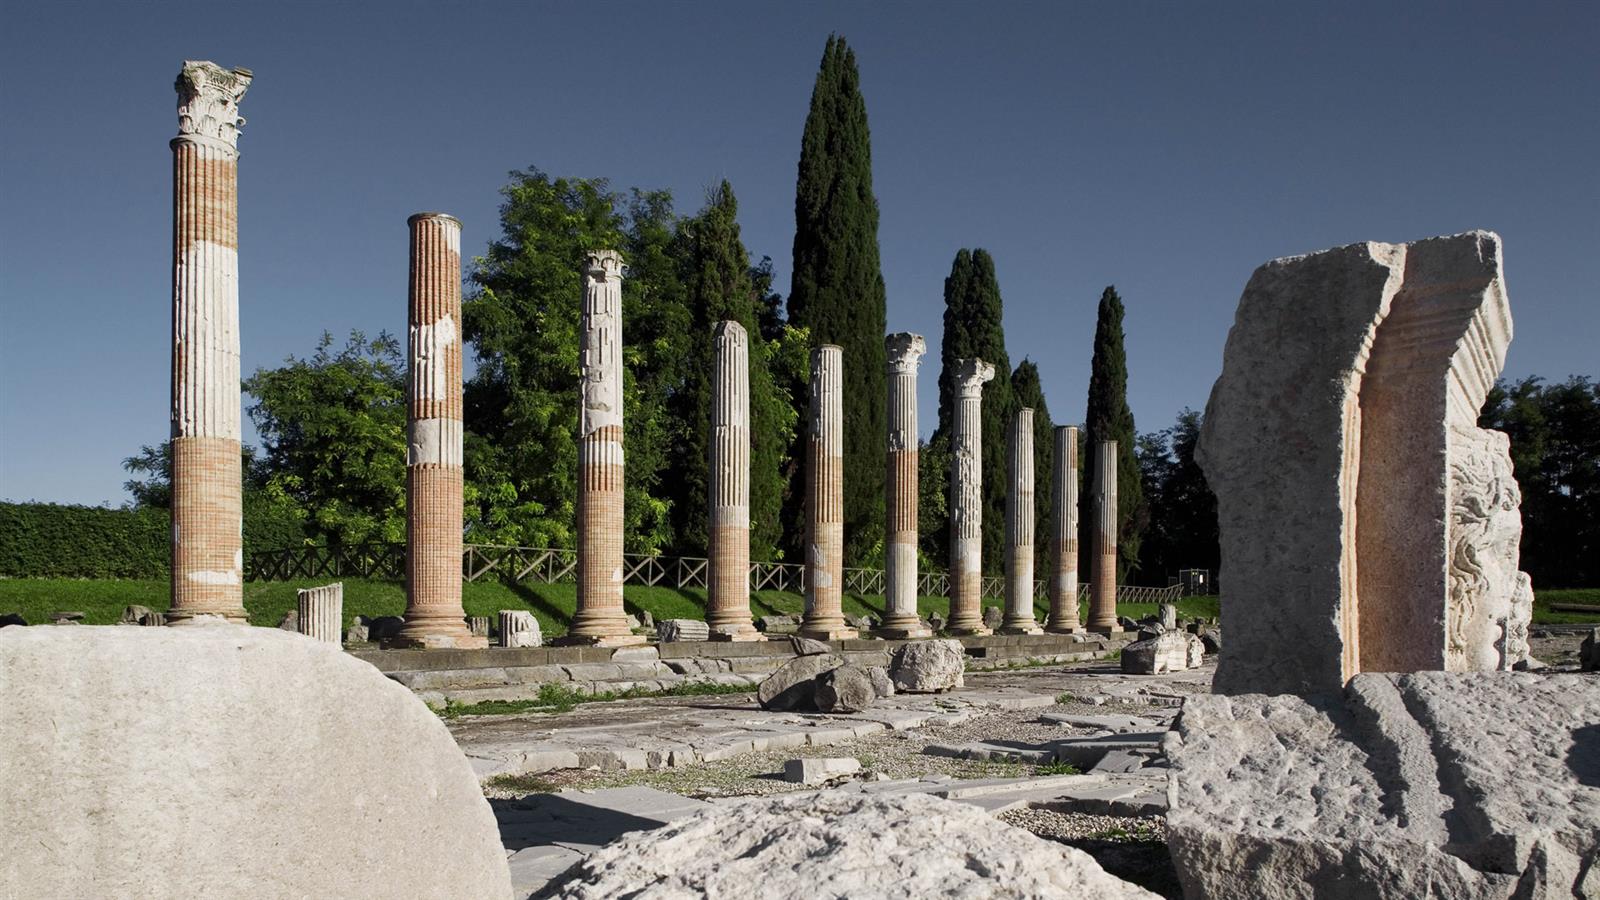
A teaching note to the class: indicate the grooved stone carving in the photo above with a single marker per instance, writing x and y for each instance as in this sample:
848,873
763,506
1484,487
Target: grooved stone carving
518,628
966,499
1064,580
824,615
1019,528
1103,588
904,352
1367,523
320,612
208,101
728,598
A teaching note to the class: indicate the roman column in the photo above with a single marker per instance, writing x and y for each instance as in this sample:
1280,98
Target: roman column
207,505
966,499
1019,528
728,601
600,618
824,617
1064,580
900,620
1103,591
434,615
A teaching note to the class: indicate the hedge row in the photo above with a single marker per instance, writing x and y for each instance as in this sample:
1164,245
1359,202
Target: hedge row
51,540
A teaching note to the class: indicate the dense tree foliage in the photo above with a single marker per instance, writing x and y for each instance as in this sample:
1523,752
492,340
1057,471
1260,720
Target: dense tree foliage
1183,511
837,290
973,329
1109,419
1555,453
1028,393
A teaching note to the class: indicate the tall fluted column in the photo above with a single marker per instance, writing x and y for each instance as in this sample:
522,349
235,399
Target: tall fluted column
1103,593
207,504
1019,528
728,603
434,614
900,620
966,499
824,618
1064,580
600,618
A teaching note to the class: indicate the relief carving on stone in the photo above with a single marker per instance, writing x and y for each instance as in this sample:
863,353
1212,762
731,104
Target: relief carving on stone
208,101
1490,602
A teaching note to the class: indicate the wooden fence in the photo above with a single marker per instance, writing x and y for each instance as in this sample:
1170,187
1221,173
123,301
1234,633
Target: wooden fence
549,566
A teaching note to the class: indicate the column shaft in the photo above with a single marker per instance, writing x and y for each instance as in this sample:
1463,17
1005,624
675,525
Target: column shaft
1103,596
904,352
966,499
321,612
1064,580
207,505
824,616
1019,528
728,602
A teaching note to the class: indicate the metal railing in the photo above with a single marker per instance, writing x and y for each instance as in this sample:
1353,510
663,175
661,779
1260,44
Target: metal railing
547,565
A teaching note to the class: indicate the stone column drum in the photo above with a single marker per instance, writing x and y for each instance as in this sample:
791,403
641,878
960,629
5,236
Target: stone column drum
1064,580
728,600
207,505
1103,590
320,612
433,617
600,618
824,617
1019,528
966,499
900,620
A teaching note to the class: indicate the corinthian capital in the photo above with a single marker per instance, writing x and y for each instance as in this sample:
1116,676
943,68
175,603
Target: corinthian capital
208,101
971,375
904,351
603,265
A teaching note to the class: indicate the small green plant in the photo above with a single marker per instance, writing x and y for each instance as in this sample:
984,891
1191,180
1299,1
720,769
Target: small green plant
557,697
1139,833
1057,768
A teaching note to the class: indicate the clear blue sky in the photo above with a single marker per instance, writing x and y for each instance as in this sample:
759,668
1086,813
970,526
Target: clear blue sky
1166,148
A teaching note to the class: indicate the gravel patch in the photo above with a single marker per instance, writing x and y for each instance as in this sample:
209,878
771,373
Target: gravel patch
1132,848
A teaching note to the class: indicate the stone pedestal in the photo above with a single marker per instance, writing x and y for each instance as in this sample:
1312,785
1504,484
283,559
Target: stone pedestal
1019,528
1103,590
433,617
1064,579
600,618
728,597
518,628
320,612
966,499
207,504
900,621
824,617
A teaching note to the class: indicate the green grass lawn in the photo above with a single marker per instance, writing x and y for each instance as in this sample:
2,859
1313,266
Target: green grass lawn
102,601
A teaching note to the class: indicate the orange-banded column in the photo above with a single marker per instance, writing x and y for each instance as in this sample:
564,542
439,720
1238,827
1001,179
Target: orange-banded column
207,506
1064,580
966,499
600,618
434,615
1019,528
904,352
824,617
1103,593
728,598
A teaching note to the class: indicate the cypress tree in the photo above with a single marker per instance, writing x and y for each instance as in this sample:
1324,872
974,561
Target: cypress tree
1028,393
837,290
717,278
1109,418
972,328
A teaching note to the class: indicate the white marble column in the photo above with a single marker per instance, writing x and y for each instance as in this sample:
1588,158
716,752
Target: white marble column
728,597
1019,528
904,352
1064,579
966,499
824,616
320,612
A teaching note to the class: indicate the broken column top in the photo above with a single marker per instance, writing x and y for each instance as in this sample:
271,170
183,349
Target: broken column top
208,101
971,375
904,351
602,265
728,329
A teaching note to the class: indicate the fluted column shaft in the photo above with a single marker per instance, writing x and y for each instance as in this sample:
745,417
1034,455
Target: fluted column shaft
966,499
320,612
904,353
207,504
1018,617
1103,594
600,617
1064,580
728,602
824,616
434,614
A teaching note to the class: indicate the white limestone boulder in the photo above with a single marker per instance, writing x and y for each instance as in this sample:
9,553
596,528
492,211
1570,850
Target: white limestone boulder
1166,652
227,761
925,667
845,689
1435,784
793,685
837,844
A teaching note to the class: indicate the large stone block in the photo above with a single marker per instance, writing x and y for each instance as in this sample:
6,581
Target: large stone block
1165,652
224,761
928,666
792,685
1434,784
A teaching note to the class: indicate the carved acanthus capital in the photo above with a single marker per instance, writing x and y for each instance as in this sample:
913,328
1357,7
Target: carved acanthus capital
970,377
904,351
603,266
208,101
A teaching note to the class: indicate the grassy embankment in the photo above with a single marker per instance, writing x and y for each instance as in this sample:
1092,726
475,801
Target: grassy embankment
102,601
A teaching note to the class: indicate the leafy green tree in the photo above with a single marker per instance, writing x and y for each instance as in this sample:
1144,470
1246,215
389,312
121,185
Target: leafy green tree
1109,418
1028,393
1183,511
718,279
333,430
933,491
972,328
837,291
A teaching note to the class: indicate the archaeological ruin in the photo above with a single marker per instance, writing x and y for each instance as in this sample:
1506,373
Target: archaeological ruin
900,618
1063,585
966,500
824,617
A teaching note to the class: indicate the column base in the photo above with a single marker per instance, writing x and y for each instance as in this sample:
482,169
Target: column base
1106,629
1054,628
1019,629
599,640
737,633
207,618
903,632
829,634
441,640
967,630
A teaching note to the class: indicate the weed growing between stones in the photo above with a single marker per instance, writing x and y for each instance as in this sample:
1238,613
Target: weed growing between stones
561,698
1057,768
